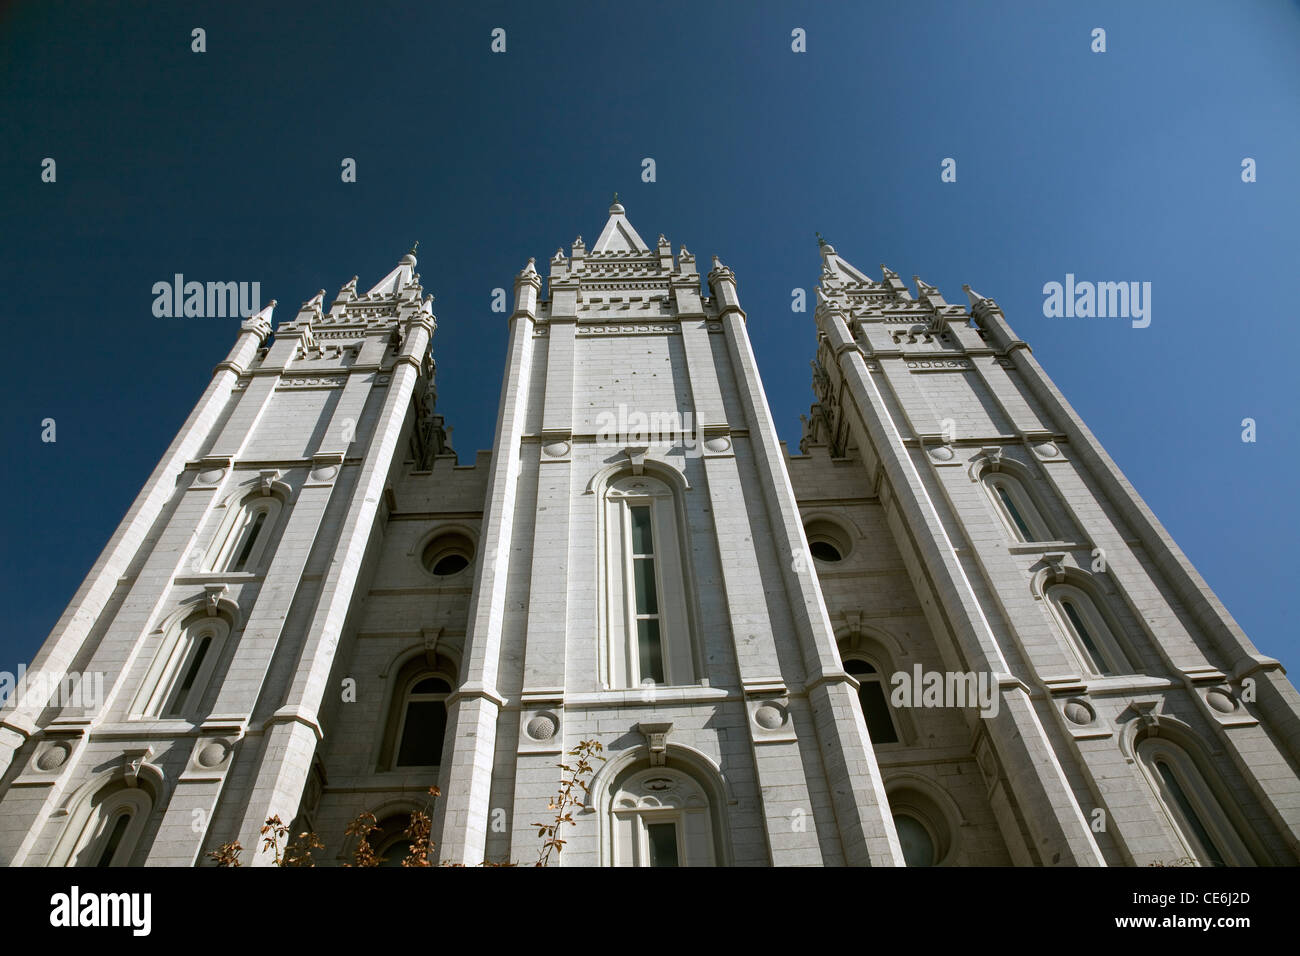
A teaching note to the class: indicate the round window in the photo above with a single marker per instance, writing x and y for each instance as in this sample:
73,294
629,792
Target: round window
915,839
825,551
448,554
827,541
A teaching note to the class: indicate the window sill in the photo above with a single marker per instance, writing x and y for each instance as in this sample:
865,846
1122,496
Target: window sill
656,693
219,577
1037,547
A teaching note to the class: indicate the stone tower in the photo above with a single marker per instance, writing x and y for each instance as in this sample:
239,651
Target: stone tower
947,632
215,614
647,590
976,527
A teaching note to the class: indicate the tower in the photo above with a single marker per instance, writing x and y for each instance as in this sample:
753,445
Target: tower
649,590
1136,723
215,614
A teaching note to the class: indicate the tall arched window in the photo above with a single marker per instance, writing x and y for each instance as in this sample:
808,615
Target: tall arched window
423,723
1088,632
1023,520
1190,805
104,829
242,538
183,669
661,817
647,619
874,701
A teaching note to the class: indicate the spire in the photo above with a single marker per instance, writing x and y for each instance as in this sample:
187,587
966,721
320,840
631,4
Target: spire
398,279
260,322
618,234
835,268
312,307
978,301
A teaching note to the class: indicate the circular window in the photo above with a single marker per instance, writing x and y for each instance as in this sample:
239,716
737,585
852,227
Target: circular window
924,833
448,554
825,551
450,564
827,541
915,839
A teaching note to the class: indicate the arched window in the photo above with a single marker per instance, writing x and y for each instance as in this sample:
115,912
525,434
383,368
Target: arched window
647,619
391,844
1191,806
105,829
423,723
242,538
1088,632
661,817
183,669
1023,520
874,701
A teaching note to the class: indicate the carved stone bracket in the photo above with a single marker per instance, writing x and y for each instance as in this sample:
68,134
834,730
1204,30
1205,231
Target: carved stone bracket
133,761
1146,713
268,478
637,457
656,735
212,595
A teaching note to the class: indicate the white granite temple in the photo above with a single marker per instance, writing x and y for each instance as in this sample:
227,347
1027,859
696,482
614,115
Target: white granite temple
946,632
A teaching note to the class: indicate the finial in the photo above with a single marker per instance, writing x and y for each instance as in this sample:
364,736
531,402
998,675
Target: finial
414,247
821,241
616,197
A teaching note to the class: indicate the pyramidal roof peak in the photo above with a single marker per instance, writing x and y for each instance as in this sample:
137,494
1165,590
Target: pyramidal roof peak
618,234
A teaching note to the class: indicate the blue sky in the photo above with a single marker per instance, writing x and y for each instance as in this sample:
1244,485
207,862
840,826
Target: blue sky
1115,166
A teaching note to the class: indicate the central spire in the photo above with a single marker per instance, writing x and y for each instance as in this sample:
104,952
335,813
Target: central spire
618,234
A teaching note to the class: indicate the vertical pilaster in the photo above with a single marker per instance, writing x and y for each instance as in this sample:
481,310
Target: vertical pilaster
548,592
474,707
857,791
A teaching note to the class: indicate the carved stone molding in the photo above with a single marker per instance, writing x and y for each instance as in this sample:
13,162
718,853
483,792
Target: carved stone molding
656,735
267,478
133,761
212,595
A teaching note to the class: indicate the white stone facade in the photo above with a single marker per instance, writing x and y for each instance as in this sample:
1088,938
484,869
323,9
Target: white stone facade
313,609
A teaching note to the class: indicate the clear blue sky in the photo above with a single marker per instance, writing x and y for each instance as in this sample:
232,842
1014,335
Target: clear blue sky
225,166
